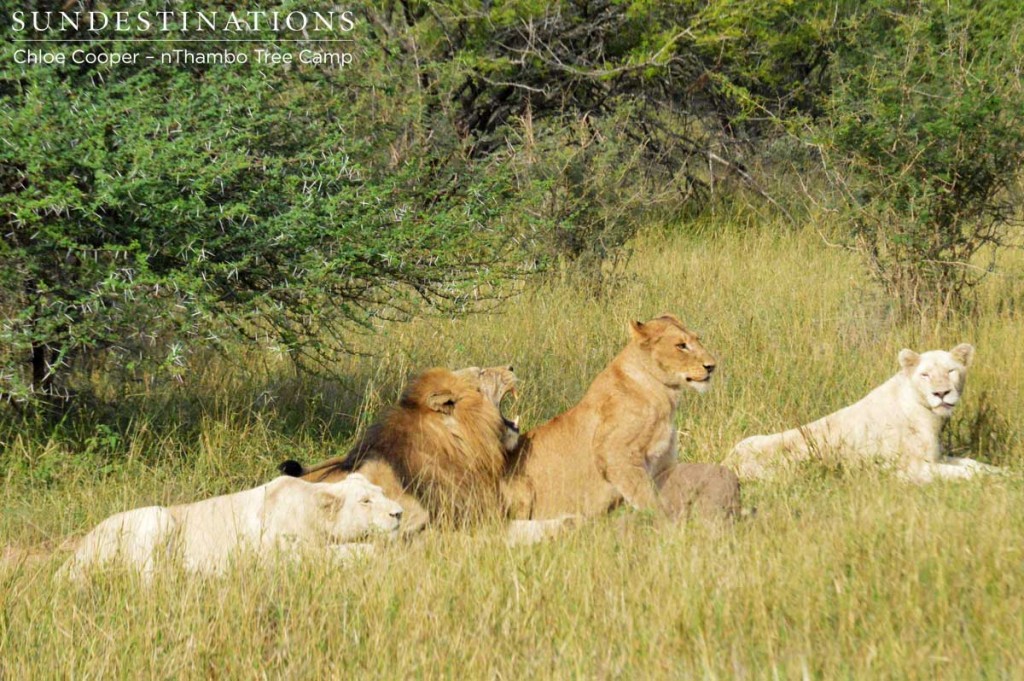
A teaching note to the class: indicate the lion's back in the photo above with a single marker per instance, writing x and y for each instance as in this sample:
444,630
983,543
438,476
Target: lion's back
133,538
705,490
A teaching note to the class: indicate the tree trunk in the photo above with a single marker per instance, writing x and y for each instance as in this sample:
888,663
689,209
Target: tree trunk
42,378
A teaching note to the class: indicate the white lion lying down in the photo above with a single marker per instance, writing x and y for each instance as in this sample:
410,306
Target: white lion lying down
286,514
898,421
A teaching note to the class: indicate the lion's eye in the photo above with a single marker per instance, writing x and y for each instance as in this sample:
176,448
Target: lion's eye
925,376
365,501
682,346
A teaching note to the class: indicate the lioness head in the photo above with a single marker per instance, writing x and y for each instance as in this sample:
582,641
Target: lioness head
495,383
938,376
676,352
355,508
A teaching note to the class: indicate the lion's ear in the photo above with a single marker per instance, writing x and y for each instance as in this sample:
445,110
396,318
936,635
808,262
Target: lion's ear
637,330
908,359
330,503
963,353
443,401
671,317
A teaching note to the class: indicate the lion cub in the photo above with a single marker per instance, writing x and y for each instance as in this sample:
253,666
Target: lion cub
612,446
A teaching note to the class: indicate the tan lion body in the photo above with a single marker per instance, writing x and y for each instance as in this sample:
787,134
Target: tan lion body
700,490
898,421
611,446
285,514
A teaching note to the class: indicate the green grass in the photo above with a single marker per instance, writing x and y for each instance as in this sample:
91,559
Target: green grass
840,574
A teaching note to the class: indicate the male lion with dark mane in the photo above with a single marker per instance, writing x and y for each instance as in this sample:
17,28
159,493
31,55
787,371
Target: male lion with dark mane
619,444
441,452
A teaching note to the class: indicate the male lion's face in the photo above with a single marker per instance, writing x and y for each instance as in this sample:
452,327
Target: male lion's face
355,508
938,376
676,351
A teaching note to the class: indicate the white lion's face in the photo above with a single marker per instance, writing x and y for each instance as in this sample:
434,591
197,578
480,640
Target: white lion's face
938,376
363,510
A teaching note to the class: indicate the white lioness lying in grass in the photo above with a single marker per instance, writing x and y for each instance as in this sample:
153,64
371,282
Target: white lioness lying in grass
899,421
286,514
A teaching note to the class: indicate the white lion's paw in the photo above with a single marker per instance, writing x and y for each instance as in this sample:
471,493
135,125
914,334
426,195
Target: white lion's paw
985,468
533,531
973,466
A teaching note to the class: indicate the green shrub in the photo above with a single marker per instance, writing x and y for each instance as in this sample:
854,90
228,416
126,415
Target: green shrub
927,134
151,209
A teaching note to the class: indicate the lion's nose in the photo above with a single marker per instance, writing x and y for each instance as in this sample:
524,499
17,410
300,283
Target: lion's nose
709,368
941,394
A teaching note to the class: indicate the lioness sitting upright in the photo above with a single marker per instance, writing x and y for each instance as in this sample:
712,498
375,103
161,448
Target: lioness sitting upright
612,446
898,421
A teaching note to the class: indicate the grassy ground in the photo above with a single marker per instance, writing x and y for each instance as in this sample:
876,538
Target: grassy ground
840,574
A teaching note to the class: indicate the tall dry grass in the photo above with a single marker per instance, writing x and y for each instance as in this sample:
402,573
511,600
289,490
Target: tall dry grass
841,573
